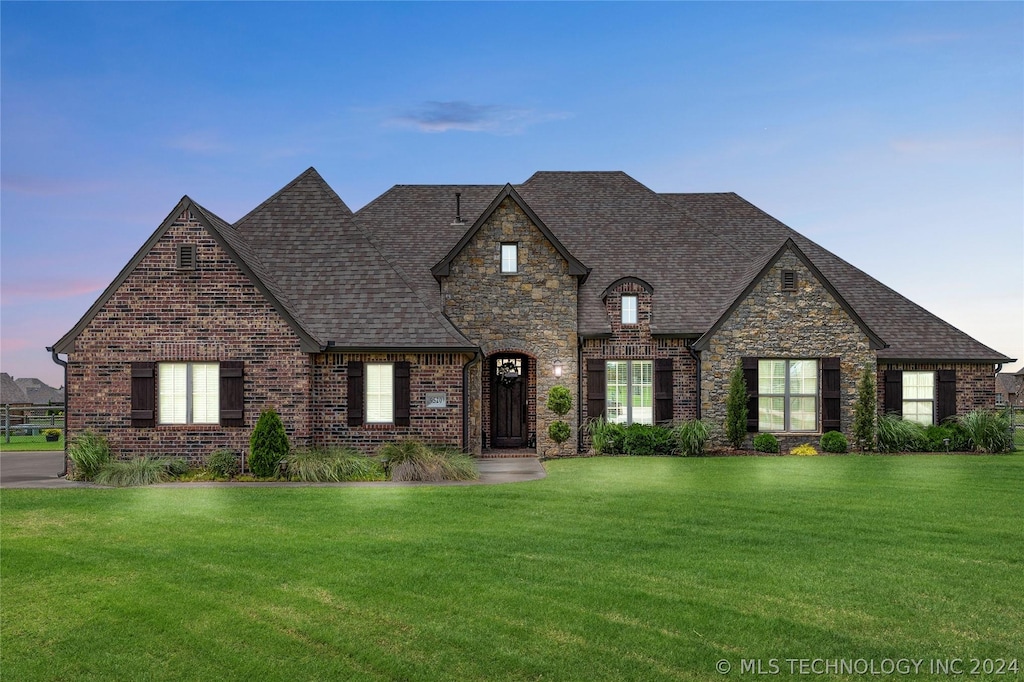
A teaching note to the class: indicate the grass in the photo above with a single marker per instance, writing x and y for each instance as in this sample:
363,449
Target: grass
609,569
30,444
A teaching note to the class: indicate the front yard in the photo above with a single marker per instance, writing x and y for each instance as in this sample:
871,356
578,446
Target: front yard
623,568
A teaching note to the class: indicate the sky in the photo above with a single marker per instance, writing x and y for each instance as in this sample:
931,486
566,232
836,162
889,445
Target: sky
890,133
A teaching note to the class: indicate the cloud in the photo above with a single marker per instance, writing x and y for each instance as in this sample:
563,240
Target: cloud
15,293
440,117
51,187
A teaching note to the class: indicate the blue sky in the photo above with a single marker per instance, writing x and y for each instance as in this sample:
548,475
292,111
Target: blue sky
891,133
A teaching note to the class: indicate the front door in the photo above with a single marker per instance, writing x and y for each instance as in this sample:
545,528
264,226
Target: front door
508,401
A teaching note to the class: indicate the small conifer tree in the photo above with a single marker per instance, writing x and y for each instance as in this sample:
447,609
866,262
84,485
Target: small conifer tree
864,411
736,407
268,445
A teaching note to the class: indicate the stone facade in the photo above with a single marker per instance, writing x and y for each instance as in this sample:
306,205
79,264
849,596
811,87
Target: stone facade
975,383
162,314
532,311
635,342
807,323
429,373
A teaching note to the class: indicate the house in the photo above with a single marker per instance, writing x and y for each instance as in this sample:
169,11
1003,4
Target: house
448,312
1010,389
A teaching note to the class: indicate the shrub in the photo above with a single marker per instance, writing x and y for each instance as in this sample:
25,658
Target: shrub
559,400
334,464
691,437
175,466
559,431
89,452
411,460
864,411
834,441
138,471
645,440
600,431
805,449
766,442
616,439
52,435
896,434
947,437
736,408
987,431
224,463
268,445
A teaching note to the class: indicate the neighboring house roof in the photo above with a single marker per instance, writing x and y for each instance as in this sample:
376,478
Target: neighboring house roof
1009,384
39,393
10,392
366,280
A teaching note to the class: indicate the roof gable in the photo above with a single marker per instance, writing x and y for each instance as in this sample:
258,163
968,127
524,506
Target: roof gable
443,268
763,266
232,243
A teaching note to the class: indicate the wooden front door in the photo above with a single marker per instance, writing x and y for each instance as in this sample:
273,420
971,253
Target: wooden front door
508,401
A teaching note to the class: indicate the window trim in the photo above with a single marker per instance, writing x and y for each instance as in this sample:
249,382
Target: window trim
634,308
501,258
630,363
161,370
366,392
787,397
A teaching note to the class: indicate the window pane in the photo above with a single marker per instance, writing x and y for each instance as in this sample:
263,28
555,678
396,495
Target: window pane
643,391
918,385
379,394
509,257
171,378
629,310
771,414
616,396
771,377
803,377
205,393
919,411
803,414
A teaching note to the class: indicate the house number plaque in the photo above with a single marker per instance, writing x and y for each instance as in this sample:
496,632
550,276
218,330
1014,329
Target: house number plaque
437,400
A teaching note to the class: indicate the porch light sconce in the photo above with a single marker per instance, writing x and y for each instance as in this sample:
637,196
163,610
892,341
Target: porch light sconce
558,368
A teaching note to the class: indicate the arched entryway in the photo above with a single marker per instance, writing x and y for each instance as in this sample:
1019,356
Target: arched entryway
511,391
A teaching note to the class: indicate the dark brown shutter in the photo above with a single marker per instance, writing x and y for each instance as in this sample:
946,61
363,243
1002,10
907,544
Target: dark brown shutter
750,376
663,390
945,400
143,394
402,394
597,389
232,393
355,393
893,399
830,395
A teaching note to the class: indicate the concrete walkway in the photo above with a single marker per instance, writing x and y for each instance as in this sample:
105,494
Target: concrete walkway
42,470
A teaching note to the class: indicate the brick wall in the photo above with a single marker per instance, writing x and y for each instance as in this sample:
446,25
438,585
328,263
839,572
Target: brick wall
429,373
975,383
161,314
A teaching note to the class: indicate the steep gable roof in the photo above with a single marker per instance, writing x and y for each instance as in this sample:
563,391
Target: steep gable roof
236,247
764,265
336,276
508,192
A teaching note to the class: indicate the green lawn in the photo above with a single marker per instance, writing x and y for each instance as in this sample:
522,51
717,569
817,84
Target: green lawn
609,569
30,444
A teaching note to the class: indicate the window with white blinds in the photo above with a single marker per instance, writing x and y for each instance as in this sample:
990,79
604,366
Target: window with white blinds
380,393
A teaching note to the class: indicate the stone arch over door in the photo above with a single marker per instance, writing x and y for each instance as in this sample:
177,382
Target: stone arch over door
509,406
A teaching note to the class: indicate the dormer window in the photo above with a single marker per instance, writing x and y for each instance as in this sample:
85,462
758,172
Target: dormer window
629,309
186,257
510,258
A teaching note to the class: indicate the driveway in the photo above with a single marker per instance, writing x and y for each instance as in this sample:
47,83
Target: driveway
42,470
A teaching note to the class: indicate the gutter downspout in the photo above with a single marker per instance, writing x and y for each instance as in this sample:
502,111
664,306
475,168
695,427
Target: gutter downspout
465,400
579,394
696,358
64,364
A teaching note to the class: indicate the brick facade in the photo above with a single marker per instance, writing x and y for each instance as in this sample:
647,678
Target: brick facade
162,314
975,383
532,311
808,323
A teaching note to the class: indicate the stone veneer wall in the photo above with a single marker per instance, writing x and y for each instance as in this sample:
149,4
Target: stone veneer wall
161,314
531,311
429,373
635,342
771,323
975,383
